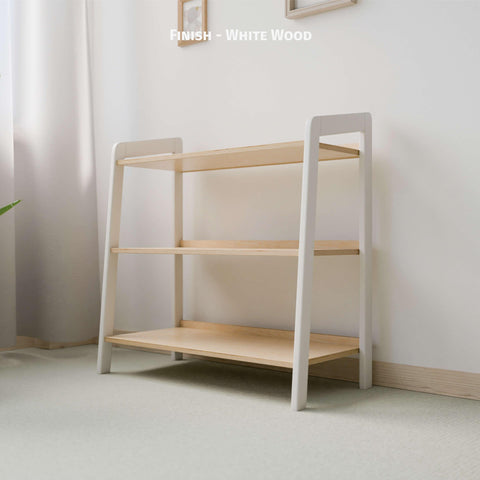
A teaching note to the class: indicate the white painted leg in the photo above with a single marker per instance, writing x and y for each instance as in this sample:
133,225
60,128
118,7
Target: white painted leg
178,259
121,151
317,126
365,237
305,268
110,264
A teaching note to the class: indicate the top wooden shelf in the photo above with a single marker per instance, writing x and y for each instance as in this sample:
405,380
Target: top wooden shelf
255,156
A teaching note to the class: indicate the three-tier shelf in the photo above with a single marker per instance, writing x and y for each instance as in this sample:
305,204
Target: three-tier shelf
283,348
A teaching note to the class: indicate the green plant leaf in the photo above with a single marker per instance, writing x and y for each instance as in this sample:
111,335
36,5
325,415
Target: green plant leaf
6,208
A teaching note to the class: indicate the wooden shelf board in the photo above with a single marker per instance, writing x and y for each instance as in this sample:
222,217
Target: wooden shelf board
254,156
248,344
283,248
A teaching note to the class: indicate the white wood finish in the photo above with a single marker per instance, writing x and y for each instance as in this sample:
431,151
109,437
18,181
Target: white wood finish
321,6
316,127
365,239
178,259
110,264
305,268
120,151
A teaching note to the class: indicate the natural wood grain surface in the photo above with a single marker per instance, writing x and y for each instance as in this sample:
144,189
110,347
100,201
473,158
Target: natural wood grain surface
268,332
239,343
406,377
254,156
286,248
432,380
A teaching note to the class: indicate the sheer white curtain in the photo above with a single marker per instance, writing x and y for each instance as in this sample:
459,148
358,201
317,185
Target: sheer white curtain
7,225
56,245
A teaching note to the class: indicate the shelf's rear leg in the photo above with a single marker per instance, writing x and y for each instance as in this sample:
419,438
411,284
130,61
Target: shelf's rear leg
365,240
178,259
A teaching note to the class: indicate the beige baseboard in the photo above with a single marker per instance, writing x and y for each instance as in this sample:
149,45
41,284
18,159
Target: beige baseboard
29,342
431,380
407,377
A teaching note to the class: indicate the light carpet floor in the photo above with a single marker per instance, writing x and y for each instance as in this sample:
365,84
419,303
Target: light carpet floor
157,419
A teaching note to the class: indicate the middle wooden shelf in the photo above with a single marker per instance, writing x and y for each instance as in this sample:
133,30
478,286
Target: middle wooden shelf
281,248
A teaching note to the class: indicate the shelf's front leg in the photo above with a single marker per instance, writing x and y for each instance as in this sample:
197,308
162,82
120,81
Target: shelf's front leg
109,284
305,266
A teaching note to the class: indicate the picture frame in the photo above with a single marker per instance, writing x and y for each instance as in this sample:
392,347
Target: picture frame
192,17
292,12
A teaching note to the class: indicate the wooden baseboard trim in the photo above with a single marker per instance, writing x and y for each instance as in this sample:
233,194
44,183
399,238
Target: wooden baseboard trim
430,380
32,342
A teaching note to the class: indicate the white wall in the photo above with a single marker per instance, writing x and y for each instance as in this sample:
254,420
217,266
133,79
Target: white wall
414,65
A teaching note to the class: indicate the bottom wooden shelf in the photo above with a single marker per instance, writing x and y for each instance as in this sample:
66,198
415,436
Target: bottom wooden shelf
248,344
